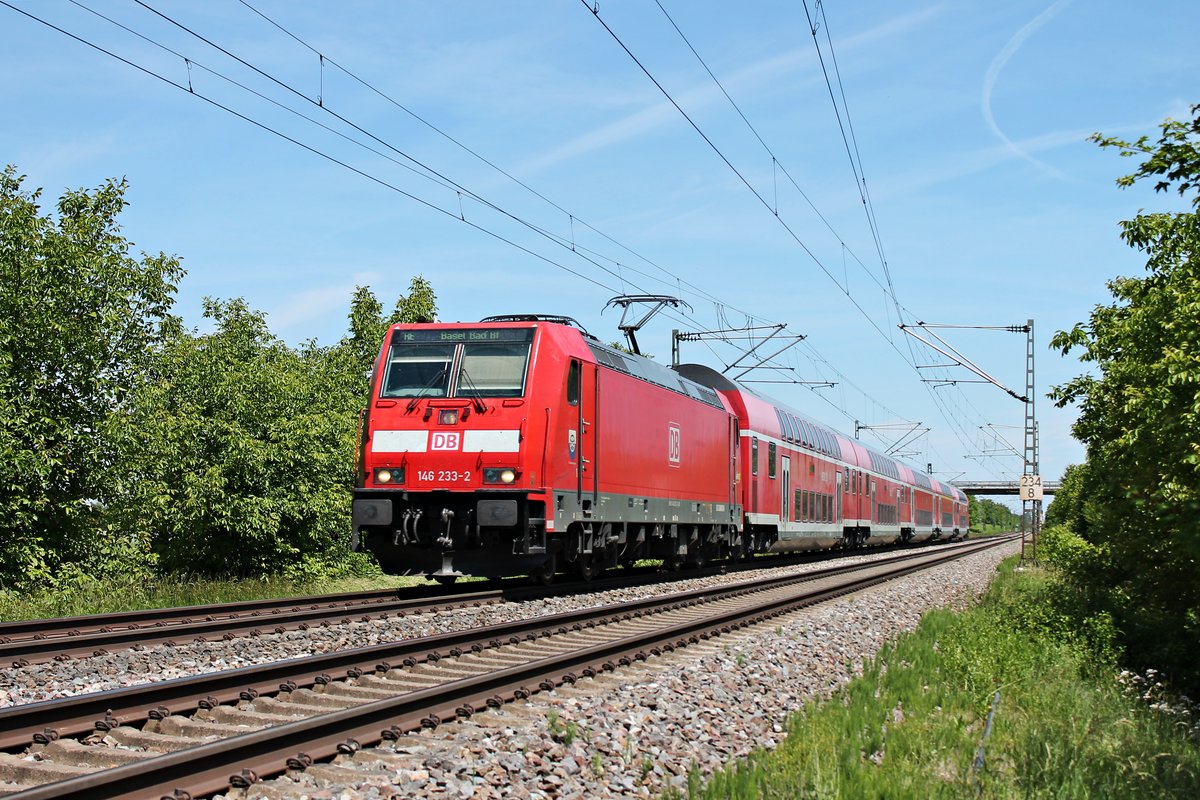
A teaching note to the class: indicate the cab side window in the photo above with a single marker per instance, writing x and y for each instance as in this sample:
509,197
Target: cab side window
754,455
573,384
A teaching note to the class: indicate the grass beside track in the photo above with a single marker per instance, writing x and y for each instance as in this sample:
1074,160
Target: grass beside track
913,724
100,597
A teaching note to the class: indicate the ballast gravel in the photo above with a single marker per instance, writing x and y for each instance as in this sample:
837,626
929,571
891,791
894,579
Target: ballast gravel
639,731
52,680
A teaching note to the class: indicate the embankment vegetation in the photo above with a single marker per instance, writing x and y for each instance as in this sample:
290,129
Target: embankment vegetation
133,449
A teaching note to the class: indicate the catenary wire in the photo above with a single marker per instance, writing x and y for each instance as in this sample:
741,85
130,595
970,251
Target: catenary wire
320,153
910,359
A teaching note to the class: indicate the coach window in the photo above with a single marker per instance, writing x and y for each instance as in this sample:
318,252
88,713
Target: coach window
573,384
770,459
754,455
789,427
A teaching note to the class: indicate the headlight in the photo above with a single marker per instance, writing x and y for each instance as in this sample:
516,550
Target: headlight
386,475
504,475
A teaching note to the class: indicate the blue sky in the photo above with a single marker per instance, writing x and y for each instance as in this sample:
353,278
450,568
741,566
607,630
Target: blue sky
970,121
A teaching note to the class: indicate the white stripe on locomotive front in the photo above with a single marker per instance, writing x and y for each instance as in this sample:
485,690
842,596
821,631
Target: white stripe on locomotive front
474,441
399,441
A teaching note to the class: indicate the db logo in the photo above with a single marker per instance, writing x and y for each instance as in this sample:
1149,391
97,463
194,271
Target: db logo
674,439
444,441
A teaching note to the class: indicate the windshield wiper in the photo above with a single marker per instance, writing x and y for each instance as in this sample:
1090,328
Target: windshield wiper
428,384
476,400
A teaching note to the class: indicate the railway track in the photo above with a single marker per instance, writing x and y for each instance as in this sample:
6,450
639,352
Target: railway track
26,642
261,721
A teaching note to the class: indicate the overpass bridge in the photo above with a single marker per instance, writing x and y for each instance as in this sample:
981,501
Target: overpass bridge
1002,487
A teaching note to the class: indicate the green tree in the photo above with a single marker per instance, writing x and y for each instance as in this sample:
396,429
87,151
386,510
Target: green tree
988,515
1139,416
1069,506
419,305
79,317
239,454
367,327
362,343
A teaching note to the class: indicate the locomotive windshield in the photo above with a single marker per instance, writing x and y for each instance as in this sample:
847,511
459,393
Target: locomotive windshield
418,370
457,363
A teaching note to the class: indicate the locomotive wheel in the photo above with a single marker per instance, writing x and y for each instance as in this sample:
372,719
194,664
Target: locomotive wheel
544,575
586,568
674,563
445,580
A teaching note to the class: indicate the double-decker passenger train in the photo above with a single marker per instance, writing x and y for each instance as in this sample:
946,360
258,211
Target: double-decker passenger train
523,445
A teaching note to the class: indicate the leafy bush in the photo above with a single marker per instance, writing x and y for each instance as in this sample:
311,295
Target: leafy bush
131,446
239,454
1138,500
78,319
1063,548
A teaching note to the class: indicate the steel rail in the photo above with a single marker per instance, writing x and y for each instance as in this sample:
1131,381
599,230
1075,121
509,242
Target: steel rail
76,716
208,768
26,642
52,644
51,627
74,626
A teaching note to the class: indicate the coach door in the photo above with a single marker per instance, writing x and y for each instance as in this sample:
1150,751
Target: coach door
837,498
786,487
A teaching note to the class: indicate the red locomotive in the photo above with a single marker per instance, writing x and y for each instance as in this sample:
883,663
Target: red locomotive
523,445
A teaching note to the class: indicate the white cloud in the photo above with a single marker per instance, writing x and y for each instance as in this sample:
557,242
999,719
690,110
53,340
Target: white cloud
317,303
993,73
